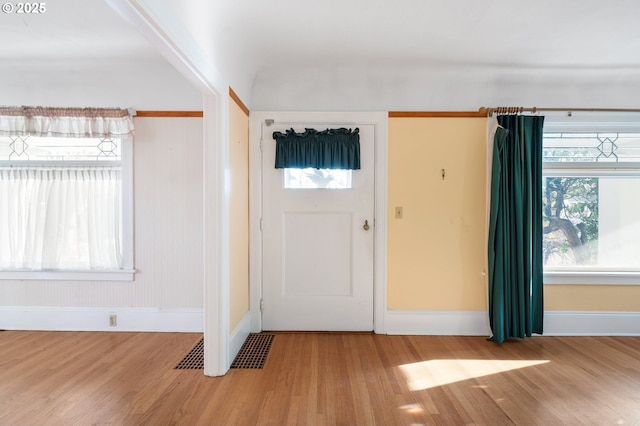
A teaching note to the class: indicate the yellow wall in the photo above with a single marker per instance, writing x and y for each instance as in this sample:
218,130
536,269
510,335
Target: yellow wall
623,298
436,252
239,214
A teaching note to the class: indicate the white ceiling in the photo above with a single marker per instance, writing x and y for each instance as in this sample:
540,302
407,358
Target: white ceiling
81,53
70,29
256,44
541,33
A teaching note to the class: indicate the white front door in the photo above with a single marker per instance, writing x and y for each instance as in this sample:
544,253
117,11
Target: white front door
318,242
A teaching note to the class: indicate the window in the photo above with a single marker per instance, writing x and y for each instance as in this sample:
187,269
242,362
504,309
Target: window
311,178
65,205
591,210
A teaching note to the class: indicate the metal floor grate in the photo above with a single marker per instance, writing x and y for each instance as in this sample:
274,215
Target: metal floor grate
252,355
194,359
254,351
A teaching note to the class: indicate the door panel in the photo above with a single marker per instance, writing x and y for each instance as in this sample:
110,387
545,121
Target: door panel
310,237
317,257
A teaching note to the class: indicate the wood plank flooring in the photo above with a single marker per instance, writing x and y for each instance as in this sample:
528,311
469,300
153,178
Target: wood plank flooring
55,378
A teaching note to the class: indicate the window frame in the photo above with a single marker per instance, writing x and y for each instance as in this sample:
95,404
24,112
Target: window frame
591,123
127,273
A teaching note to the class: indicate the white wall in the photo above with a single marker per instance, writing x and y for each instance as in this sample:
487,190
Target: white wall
144,85
439,88
167,293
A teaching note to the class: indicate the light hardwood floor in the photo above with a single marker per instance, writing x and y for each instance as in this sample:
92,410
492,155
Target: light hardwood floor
55,378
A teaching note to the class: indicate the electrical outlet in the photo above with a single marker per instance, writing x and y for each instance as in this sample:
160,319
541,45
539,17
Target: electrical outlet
113,320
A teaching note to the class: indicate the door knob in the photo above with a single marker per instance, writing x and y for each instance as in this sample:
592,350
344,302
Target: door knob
366,225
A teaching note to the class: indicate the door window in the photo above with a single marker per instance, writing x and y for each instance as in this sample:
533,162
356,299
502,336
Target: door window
317,179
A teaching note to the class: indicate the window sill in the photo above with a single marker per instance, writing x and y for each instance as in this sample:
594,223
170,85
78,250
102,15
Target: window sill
592,278
113,275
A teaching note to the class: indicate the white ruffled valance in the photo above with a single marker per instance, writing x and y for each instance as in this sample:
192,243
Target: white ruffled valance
65,122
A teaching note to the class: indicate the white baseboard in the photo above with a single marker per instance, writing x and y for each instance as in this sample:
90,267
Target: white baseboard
460,323
476,323
589,323
239,336
97,319
442,323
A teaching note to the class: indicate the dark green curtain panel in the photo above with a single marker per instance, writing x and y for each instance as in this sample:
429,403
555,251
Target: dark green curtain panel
327,149
515,229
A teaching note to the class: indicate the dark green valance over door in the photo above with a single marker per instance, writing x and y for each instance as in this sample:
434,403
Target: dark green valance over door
327,149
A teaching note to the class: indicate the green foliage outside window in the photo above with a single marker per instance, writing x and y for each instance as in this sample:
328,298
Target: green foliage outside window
570,221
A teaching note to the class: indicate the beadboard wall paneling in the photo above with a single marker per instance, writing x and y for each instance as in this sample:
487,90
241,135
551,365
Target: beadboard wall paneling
168,211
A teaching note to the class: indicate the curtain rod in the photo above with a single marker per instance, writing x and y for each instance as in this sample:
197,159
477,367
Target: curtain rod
518,110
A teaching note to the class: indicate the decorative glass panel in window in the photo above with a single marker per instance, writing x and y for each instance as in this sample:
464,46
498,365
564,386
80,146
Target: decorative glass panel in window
30,148
592,147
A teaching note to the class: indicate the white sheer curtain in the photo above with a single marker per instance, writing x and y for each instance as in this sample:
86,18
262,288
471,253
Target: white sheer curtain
71,217
65,216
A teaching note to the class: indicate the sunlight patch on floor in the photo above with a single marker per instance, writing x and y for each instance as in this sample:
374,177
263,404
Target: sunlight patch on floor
412,408
439,372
